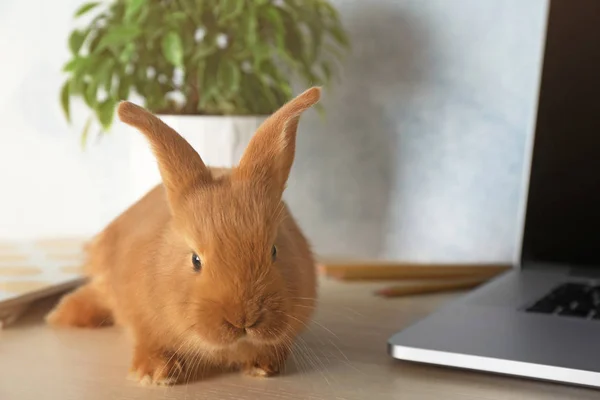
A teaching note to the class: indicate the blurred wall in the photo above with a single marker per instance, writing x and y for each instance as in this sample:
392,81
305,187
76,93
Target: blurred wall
419,157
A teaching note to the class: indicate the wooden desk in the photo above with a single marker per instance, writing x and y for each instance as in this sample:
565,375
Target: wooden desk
343,356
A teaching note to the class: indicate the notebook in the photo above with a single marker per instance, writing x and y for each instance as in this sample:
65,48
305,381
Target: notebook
30,270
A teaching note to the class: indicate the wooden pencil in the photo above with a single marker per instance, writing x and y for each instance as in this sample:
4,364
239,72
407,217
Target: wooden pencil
395,271
419,288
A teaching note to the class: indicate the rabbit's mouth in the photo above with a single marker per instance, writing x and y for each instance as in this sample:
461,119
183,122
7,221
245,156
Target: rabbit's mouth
239,344
254,340
266,333
261,335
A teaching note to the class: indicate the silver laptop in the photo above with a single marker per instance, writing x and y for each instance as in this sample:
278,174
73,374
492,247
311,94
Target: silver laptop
541,320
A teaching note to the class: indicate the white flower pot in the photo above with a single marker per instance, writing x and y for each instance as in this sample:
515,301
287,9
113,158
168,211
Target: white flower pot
220,141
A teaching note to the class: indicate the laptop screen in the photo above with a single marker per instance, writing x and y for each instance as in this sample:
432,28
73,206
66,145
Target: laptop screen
562,223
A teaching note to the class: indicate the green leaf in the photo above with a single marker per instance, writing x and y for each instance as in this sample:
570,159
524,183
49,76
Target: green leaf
90,94
266,102
156,95
229,77
95,40
340,36
194,9
172,48
279,80
239,51
124,86
316,38
294,41
329,10
85,132
176,17
118,36
203,50
85,8
236,79
229,9
127,53
77,85
104,72
227,107
76,40
334,50
65,100
200,81
262,52
208,86
288,59
73,64
142,15
132,7
252,33
267,92
277,24
105,113
307,16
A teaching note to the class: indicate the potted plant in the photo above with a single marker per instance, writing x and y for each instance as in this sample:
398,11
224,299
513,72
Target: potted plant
212,69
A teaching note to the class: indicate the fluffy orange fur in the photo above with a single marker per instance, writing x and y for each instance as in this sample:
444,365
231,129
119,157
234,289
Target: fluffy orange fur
244,307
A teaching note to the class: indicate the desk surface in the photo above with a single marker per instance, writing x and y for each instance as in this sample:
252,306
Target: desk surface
342,356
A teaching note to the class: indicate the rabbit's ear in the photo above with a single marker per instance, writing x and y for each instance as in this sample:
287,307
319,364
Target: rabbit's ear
180,166
270,153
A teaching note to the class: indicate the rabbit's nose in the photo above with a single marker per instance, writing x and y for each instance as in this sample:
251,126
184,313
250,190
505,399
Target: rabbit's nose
243,322
255,321
234,325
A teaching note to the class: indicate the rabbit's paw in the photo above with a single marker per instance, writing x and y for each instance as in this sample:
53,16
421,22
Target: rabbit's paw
155,368
267,365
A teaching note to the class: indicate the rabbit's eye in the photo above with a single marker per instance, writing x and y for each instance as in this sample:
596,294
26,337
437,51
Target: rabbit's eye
196,262
274,253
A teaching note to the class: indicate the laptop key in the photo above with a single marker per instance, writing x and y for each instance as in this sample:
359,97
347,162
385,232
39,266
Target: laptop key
569,299
576,309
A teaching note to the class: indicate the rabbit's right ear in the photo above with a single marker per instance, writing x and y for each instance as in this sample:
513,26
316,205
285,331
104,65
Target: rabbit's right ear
270,153
181,168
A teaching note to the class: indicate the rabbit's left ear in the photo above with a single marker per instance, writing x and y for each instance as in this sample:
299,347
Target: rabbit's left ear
181,168
270,154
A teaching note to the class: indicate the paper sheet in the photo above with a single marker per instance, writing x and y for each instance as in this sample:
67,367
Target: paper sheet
30,270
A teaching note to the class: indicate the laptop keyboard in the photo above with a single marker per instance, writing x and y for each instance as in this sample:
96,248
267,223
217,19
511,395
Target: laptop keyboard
570,299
